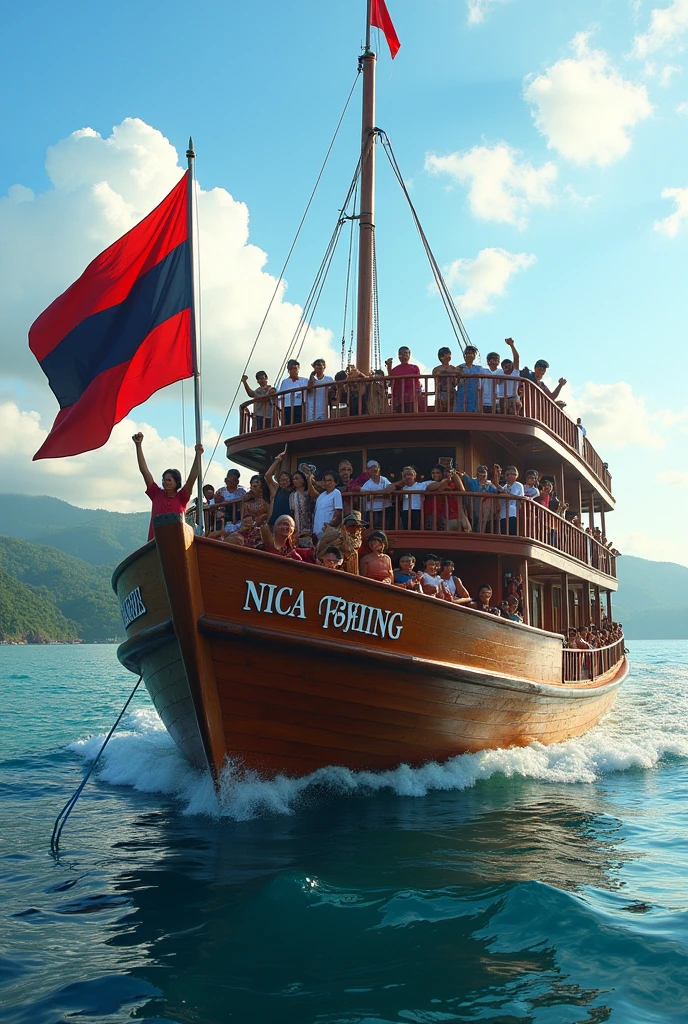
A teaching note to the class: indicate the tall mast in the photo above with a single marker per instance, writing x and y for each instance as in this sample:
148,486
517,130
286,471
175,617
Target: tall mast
198,414
367,208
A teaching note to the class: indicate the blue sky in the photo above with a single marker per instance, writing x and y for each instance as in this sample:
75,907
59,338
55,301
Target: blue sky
583,106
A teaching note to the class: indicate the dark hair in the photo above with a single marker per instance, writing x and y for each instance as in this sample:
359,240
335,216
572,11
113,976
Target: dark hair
431,558
285,473
407,554
332,550
482,467
470,348
492,355
298,472
542,362
446,562
340,375
441,469
404,348
173,473
444,351
485,586
293,362
233,472
261,373
379,535
534,473
208,487
330,472
512,468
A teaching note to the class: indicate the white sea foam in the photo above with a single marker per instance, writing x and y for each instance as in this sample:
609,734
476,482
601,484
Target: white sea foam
646,726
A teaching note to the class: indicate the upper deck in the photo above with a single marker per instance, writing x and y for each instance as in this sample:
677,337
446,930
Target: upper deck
352,412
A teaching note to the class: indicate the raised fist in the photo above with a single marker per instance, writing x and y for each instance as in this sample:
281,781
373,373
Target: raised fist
137,438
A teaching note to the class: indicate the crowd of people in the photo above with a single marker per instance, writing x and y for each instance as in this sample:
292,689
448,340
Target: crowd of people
587,638
461,387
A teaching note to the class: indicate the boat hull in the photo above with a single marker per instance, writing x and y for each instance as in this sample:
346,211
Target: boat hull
285,668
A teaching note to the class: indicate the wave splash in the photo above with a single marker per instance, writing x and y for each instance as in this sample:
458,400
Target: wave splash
145,757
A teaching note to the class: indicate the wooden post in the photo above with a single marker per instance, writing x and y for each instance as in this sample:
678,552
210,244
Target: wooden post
598,608
364,325
564,604
526,593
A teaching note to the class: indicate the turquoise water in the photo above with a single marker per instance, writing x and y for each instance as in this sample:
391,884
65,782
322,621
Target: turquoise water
545,885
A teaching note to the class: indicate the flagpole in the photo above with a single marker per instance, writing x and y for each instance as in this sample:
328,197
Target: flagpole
364,322
198,413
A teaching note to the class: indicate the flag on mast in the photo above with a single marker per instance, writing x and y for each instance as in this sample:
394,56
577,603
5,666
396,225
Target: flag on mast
379,18
121,332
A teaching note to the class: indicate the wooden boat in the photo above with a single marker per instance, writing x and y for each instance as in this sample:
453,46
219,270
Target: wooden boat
285,667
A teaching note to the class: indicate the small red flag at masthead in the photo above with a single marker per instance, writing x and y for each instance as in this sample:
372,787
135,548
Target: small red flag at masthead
379,18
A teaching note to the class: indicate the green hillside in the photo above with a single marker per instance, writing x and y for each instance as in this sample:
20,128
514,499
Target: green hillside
652,602
96,535
72,588
27,615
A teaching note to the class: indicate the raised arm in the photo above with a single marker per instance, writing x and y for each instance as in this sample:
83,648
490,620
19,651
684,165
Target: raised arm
555,394
496,473
140,458
269,477
516,357
249,391
312,489
195,469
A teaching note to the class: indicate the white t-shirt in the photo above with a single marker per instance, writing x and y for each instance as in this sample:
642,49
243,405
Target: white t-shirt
415,499
377,504
325,508
316,400
488,385
515,488
450,585
531,492
291,385
508,387
431,581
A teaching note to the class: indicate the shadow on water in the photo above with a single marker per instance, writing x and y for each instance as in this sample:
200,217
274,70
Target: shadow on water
318,917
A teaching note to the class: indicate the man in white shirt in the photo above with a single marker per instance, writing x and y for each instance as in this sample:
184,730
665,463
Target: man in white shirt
413,502
328,507
507,391
489,391
509,511
292,402
316,399
381,508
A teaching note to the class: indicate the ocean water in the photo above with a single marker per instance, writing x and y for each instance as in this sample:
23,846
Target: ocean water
545,885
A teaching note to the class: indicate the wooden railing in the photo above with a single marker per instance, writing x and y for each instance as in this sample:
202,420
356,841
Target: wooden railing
586,666
478,395
471,513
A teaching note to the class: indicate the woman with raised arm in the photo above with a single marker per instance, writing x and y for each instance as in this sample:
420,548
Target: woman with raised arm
171,497
280,488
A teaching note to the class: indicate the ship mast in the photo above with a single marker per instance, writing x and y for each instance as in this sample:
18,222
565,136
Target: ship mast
364,324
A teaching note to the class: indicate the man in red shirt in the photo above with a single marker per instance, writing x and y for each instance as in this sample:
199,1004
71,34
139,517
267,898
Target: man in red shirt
404,392
171,497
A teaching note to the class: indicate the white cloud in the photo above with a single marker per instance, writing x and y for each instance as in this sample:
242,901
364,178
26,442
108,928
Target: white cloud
674,477
614,416
477,9
665,31
100,188
502,186
682,108
671,225
106,478
484,278
585,108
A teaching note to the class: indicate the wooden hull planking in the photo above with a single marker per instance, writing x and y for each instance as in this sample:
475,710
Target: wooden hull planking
273,683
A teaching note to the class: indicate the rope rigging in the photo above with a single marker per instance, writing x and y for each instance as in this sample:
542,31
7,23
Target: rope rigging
61,819
285,264
348,274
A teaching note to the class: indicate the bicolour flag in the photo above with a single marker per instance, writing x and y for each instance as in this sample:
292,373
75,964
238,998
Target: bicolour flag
379,18
121,332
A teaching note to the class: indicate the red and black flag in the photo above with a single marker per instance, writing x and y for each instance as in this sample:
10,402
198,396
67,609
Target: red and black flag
379,18
121,332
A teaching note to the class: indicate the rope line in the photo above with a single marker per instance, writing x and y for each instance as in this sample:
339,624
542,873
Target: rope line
61,819
286,263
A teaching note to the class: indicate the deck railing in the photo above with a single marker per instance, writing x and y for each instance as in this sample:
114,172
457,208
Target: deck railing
586,666
471,513
483,395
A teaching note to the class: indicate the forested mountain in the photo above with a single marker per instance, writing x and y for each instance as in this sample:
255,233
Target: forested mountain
43,587
97,536
652,602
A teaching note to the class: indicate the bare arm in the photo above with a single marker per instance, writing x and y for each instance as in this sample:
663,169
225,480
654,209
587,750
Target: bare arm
312,489
195,469
557,391
514,353
462,594
496,471
249,391
269,477
140,458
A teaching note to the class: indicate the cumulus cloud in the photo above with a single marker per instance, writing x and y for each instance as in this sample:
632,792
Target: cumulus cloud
682,108
100,188
501,186
667,27
485,278
671,225
674,477
615,417
585,108
477,9
107,478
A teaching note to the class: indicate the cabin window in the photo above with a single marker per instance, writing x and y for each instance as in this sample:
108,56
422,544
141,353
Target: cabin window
393,460
536,606
556,610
